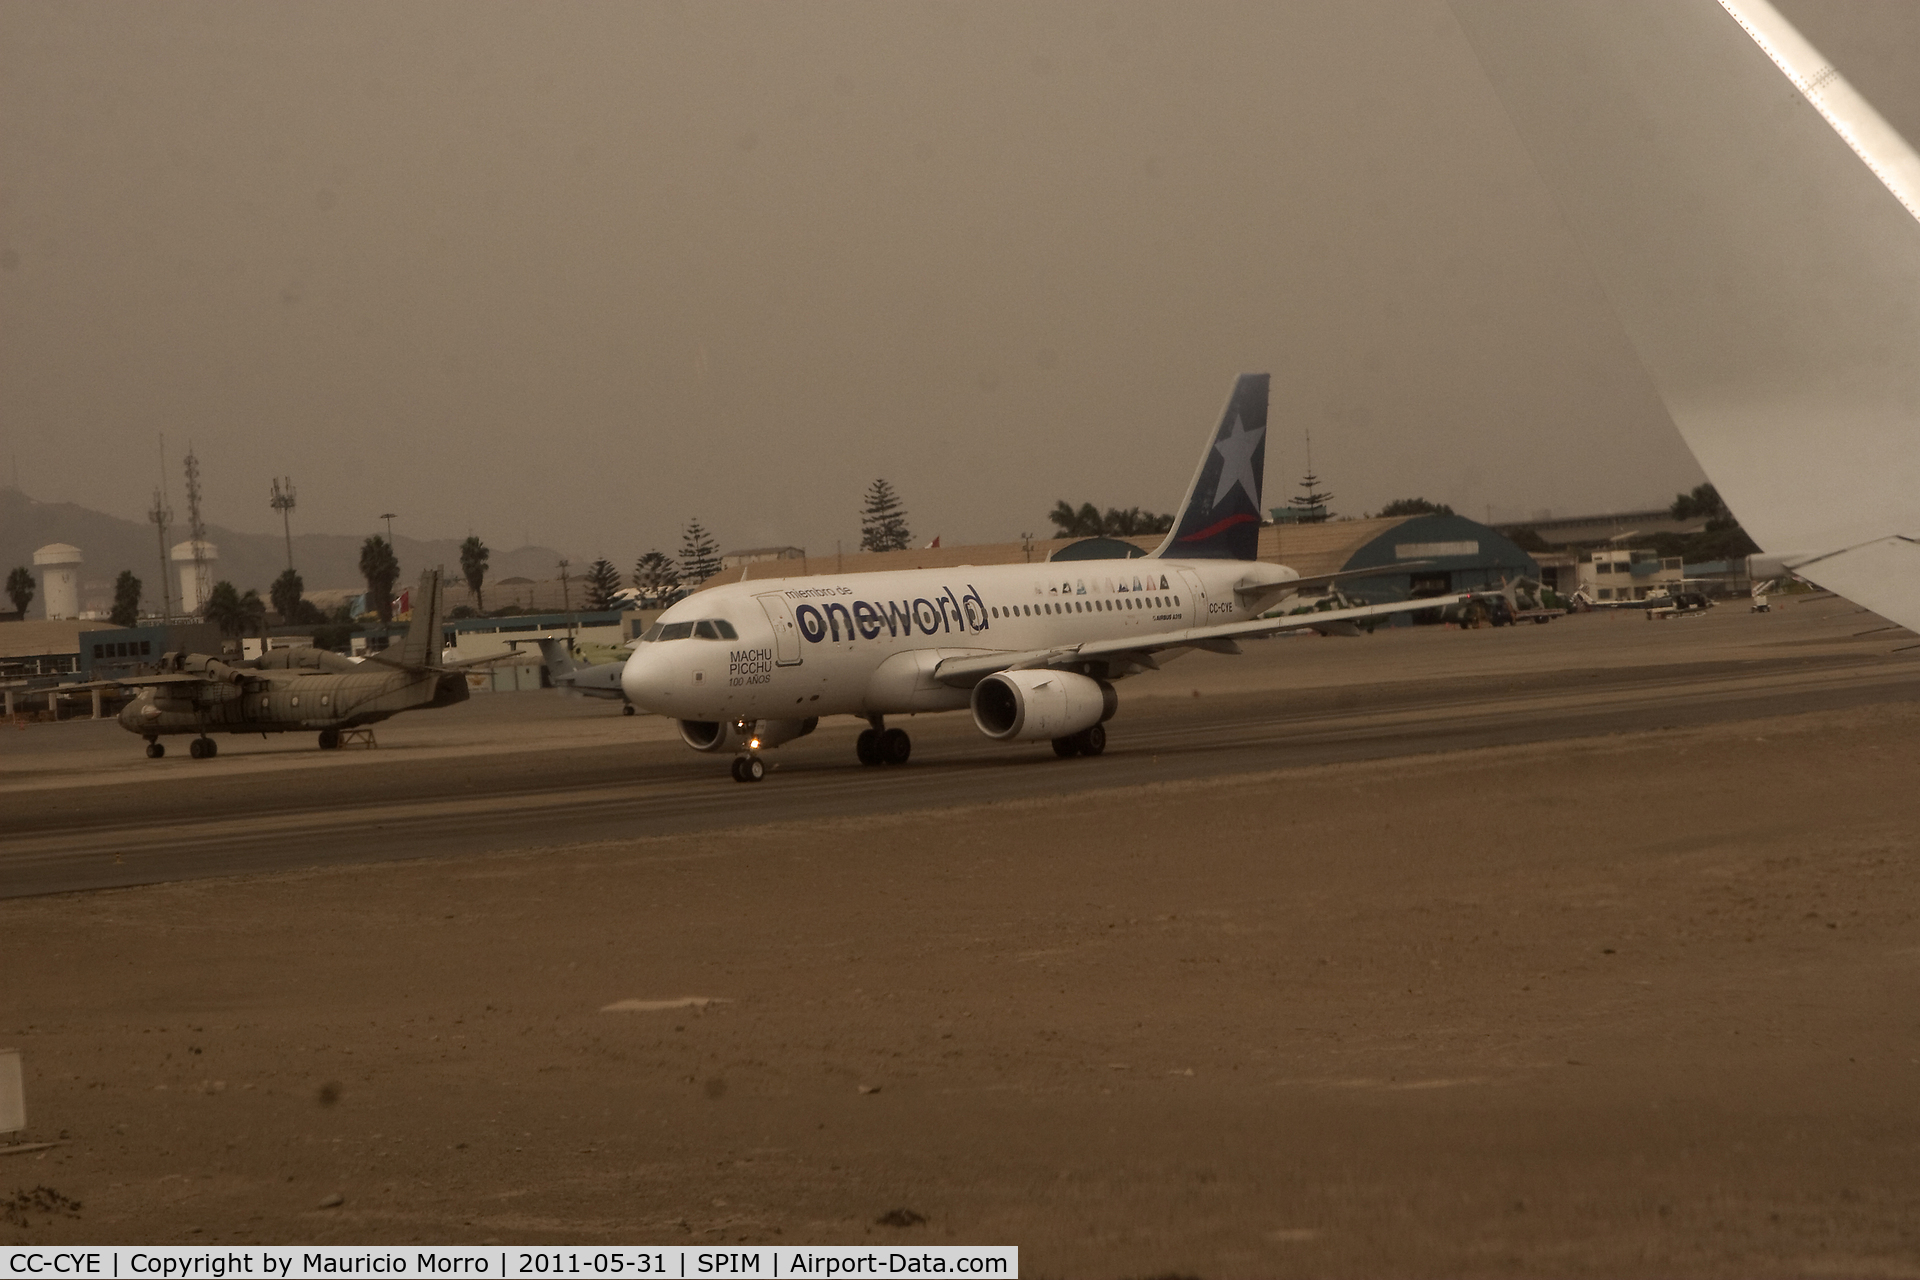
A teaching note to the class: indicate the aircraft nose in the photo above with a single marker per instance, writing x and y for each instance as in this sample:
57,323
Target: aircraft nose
645,679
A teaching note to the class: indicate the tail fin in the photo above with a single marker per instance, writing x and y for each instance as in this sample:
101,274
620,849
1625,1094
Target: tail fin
1220,520
553,652
421,645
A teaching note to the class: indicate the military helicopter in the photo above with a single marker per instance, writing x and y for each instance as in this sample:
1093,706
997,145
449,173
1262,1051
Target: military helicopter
293,690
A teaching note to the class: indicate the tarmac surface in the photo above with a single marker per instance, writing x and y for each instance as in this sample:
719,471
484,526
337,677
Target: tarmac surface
85,809
1591,948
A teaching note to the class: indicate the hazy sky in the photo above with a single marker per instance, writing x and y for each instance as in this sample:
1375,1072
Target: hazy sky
577,272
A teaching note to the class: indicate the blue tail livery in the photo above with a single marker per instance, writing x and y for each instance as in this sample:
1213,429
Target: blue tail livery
1220,520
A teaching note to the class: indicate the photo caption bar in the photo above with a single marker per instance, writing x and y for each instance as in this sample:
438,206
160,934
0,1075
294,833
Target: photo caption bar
284,1262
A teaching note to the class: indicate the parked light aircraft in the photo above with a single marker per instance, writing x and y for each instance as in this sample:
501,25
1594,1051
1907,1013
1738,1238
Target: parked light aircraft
598,680
1756,227
1032,649
292,690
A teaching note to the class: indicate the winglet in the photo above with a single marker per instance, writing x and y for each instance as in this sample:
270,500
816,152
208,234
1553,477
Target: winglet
1220,519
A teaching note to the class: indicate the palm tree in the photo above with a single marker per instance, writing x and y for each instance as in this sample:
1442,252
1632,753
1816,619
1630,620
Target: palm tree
381,569
285,594
20,588
473,563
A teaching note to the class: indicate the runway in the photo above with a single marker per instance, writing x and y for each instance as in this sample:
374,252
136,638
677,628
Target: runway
504,772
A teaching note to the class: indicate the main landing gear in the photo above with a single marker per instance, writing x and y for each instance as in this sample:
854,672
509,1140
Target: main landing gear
155,748
329,739
1087,742
199,748
749,768
881,745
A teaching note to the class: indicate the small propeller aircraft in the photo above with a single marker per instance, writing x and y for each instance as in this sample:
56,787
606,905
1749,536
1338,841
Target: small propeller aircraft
293,690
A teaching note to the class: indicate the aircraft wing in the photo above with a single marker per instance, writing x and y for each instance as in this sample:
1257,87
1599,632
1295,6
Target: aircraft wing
141,682
1755,225
966,672
1254,591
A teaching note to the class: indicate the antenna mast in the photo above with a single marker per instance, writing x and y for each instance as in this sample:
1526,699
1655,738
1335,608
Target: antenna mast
162,516
283,503
197,530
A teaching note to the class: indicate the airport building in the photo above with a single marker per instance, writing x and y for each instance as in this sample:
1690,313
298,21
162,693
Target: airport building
1457,554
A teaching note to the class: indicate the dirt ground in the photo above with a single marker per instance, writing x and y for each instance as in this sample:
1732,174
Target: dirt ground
1362,1019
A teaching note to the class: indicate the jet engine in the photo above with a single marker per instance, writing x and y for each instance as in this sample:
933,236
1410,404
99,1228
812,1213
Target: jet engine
711,735
1028,706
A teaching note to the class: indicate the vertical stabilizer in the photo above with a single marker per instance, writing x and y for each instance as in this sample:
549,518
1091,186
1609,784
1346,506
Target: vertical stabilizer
421,645
1220,519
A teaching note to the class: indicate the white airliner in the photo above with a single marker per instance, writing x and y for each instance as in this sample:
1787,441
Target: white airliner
1032,649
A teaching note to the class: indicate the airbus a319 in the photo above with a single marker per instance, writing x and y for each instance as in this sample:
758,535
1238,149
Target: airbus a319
1032,650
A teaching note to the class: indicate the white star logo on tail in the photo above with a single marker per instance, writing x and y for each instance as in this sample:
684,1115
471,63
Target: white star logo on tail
1236,461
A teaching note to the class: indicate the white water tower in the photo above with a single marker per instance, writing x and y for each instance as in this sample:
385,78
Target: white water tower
193,597
59,566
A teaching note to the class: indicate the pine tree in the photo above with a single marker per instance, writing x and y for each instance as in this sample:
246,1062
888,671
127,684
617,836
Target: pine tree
603,580
654,574
473,563
883,520
699,554
126,600
1311,501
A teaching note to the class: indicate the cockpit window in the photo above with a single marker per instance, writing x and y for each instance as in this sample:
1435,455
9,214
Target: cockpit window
726,629
703,630
675,630
653,632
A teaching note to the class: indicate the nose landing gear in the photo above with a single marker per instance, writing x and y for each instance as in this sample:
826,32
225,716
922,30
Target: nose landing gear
749,768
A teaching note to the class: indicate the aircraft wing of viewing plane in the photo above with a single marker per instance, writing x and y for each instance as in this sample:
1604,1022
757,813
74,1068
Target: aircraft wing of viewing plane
1755,224
1033,650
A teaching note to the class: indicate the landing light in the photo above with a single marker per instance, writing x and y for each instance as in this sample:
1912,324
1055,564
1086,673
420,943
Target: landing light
753,743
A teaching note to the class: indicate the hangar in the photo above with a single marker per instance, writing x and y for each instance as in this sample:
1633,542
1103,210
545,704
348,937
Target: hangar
1457,554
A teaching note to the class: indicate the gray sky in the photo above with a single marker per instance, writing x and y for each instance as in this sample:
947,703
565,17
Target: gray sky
580,271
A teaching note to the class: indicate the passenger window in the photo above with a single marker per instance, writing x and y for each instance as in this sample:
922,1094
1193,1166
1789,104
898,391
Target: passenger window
675,630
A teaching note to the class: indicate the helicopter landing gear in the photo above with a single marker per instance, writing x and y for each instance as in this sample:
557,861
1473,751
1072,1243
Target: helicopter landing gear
155,749
202,748
329,739
627,710
749,769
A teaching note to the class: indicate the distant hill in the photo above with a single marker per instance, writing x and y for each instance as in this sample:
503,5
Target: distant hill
326,561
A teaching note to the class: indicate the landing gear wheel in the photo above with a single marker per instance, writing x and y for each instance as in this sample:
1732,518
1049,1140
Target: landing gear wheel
895,746
155,750
734,768
1067,748
329,739
627,710
203,748
1092,741
867,746
749,768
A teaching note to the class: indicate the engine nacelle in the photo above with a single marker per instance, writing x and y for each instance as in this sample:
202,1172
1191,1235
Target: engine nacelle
711,735
771,733
1028,706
